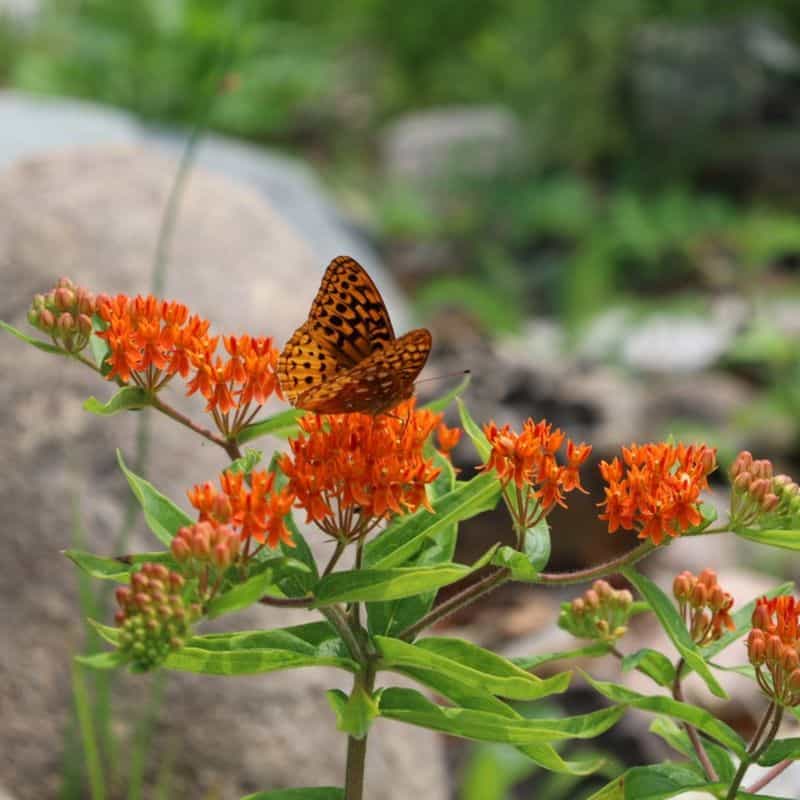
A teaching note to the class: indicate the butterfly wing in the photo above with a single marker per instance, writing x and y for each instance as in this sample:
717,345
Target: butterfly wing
374,385
348,314
306,362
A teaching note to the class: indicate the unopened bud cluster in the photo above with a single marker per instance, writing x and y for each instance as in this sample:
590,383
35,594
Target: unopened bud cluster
704,605
153,617
601,612
206,543
65,313
772,648
759,496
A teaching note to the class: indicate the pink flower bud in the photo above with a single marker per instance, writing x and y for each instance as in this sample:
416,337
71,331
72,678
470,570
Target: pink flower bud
770,502
64,299
180,549
47,320
65,283
220,556
176,581
84,325
759,488
603,589
123,595
578,606
741,463
774,649
139,581
708,578
756,648
699,595
591,599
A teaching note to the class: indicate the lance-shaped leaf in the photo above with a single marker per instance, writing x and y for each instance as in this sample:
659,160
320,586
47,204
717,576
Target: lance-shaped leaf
366,585
129,398
676,737
441,403
781,750
310,793
408,705
247,463
472,665
250,652
107,660
283,425
299,585
697,717
787,540
404,538
547,757
651,663
674,626
390,617
163,517
37,343
113,569
266,581
594,650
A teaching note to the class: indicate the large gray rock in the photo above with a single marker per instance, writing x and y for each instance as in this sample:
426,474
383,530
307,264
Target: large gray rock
93,214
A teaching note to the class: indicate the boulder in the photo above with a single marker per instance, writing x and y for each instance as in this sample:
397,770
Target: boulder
92,214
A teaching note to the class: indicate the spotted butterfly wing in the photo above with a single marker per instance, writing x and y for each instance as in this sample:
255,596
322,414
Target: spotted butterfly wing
345,357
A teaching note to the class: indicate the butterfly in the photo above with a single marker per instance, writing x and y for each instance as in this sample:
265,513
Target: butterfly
345,357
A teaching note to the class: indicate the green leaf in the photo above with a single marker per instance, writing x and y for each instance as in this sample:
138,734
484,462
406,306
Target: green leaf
365,585
441,403
163,517
311,793
266,582
526,566
126,399
592,650
781,750
282,425
37,343
698,717
470,664
112,569
251,652
787,540
404,538
473,430
676,737
546,756
354,714
247,463
652,663
393,616
99,347
408,705
107,660
106,632
651,783
301,584
674,626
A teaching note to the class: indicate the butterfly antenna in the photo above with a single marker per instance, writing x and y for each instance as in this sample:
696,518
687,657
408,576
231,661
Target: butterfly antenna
446,375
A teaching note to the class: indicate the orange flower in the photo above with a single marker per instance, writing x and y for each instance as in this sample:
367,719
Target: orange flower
257,512
773,646
351,471
149,340
657,490
447,438
529,460
241,383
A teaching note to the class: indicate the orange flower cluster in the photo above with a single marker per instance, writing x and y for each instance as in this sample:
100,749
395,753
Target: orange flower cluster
657,490
529,459
704,605
241,383
350,471
151,340
773,646
256,512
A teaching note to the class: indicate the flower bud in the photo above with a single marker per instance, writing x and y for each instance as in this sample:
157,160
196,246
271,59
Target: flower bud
709,460
789,659
84,325
139,581
65,283
756,647
759,488
47,320
220,556
762,468
591,599
708,578
794,681
578,606
774,649
770,502
603,589
180,549
682,586
741,463
699,596
64,299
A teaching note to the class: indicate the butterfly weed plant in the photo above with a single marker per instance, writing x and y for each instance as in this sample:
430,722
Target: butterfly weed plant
378,482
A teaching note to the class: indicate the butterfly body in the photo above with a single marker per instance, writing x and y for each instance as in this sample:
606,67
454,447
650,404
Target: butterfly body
346,357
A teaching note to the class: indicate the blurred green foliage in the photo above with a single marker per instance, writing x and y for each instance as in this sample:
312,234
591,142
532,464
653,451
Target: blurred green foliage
619,188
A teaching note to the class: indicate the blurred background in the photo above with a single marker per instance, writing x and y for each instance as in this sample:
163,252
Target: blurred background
593,205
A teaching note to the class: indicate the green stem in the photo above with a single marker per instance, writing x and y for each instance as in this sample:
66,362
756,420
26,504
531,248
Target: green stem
456,602
599,571
357,748
88,734
339,620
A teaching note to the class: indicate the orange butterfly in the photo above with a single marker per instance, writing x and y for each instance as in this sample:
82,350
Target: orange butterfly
345,356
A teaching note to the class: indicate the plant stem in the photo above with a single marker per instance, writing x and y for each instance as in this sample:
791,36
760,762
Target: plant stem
599,571
758,744
691,731
337,554
769,776
287,602
456,602
357,748
339,620
173,413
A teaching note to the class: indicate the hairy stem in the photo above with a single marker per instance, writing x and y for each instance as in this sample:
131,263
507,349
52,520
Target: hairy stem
339,620
599,571
456,602
173,413
691,731
759,743
770,776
